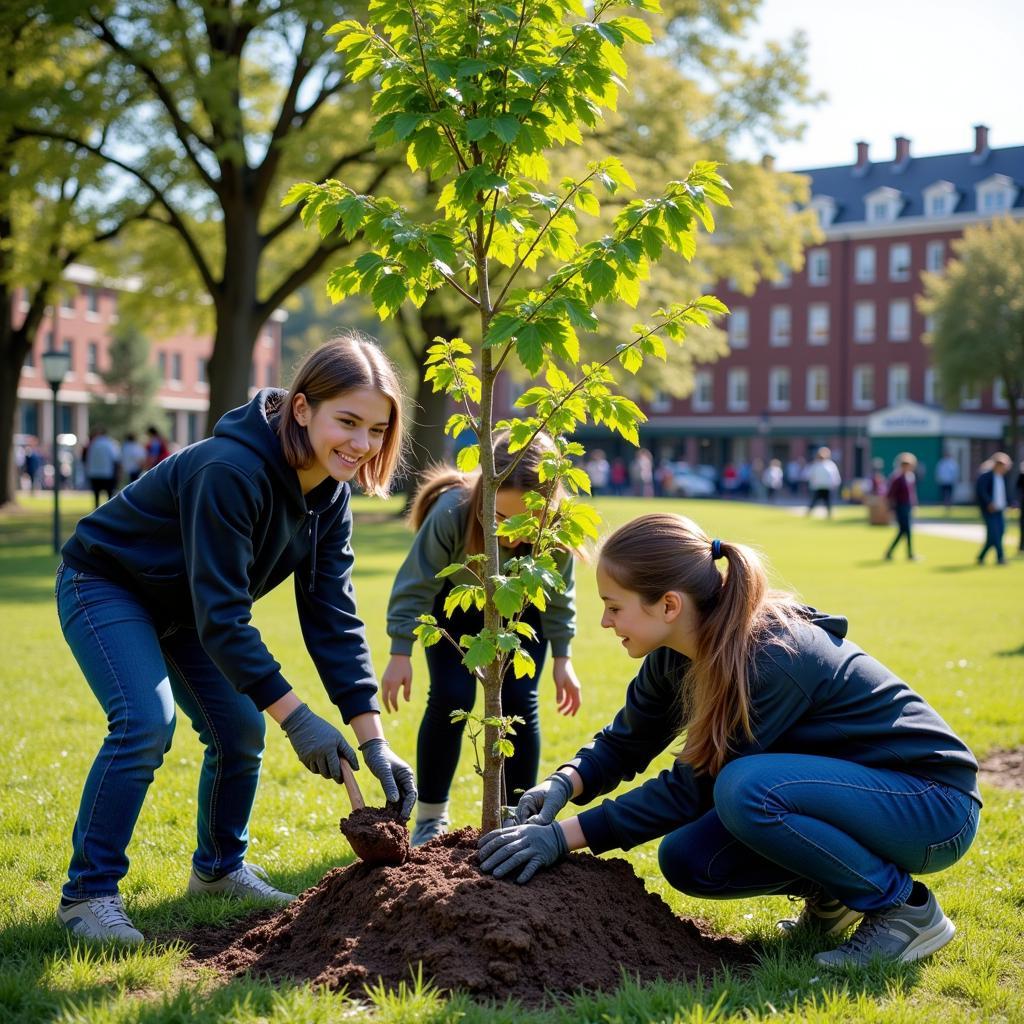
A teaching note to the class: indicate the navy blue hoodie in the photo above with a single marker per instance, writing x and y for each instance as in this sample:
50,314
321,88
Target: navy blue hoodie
825,697
217,525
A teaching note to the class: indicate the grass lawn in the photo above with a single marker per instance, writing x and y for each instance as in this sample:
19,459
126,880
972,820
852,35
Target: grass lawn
953,631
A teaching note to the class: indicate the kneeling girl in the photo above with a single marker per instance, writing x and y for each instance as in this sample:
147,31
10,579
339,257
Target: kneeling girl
808,768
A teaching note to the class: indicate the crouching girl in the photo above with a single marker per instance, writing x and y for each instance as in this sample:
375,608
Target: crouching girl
807,767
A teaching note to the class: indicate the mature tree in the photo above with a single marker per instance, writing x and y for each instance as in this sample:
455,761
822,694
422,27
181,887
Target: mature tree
53,205
130,385
239,97
478,95
977,302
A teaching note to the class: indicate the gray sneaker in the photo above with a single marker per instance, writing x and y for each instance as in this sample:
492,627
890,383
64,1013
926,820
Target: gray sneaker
101,918
424,831
248,881
821,915
900,934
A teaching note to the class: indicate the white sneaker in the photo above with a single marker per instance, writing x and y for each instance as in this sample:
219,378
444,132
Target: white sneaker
102,918
248,881
424,831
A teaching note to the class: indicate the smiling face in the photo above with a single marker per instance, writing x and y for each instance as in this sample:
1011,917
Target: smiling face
344,432
641,628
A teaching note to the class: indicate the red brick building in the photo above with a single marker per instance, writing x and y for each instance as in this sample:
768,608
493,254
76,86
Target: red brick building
83,322
815,353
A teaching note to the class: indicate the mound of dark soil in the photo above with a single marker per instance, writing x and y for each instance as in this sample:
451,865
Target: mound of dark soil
578,925
377,836
1004,768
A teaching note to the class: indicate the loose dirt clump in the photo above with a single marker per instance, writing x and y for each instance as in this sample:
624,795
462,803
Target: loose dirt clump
579,925
377,836
1004,768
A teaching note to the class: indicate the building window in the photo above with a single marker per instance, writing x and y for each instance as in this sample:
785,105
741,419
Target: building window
161,365
818,266
899,383
935,256
899,262
92,301
29,366
94,357
970,396
864,322
176,367
67,304
825,207
995,194
899,320
883,204
817,323
785,277
864,387
940,199
864,264
738,388
192,428
778,387
201,369
931,386
661,402
817,387
739,328
702,391
781,326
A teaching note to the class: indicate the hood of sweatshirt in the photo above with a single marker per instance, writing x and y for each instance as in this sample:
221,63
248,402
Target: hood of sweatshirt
837,625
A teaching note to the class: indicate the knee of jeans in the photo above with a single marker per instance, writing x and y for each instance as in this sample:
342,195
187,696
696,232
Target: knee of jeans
738,794
246,736
147,740
684,867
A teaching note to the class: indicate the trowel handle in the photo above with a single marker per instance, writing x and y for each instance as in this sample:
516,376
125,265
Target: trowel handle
354,795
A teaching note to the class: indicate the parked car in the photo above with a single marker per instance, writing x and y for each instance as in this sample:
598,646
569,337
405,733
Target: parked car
686,483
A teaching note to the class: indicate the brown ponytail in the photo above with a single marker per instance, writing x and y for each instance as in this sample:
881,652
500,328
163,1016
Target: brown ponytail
437,479
658,553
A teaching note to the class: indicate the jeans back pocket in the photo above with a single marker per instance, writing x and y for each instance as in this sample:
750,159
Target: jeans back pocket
939,856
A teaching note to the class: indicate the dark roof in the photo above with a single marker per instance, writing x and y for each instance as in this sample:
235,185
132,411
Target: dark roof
848,188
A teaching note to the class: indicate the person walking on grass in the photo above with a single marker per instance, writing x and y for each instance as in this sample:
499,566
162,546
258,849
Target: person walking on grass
822,479
902,495
155,596
990,494
446,514
807,767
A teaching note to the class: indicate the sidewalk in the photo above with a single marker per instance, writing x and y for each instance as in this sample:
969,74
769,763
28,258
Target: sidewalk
973,532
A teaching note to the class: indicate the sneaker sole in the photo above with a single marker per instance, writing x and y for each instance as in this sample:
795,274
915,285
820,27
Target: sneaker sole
929,941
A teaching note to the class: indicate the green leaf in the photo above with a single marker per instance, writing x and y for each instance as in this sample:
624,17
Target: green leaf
530,347
468,458
508,595
600,277
523,665
480,652
477,128
388,294
503,747
297,192
449,570
406,124
506,127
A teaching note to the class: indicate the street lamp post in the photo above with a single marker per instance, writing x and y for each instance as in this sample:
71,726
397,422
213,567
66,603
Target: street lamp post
56,364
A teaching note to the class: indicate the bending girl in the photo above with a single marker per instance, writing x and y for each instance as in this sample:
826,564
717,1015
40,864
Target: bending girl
807,767
446,514
155,598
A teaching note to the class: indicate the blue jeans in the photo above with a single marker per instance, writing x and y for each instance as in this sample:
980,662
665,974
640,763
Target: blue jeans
799,825
138,671
452,688
995,527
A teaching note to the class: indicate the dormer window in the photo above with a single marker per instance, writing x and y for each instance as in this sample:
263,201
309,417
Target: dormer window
995,194
826,209
884,204
940,199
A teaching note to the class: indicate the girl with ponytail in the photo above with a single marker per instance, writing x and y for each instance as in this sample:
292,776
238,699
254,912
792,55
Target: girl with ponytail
446,515
806,767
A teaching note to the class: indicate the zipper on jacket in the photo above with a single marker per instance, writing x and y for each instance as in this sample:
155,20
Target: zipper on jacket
314,530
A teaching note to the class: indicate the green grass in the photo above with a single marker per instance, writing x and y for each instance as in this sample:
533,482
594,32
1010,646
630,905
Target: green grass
953,631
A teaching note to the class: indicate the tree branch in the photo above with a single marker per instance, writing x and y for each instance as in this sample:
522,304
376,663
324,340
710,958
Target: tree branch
182,129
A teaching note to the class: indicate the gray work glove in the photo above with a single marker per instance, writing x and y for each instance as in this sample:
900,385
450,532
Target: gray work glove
538,806
396,777
530,847
319,745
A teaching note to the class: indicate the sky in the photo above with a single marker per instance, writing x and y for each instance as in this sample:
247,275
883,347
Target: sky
926,69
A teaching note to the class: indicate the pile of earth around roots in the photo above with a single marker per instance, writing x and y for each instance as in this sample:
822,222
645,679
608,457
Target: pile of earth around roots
579,925
1004,768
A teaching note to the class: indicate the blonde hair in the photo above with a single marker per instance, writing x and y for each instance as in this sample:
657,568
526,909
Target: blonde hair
348,362
435,480
737,612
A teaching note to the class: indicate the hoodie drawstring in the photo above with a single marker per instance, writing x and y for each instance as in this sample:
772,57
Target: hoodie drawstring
314,529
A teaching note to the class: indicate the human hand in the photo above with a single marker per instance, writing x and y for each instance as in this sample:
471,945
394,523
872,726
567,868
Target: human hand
539,805
567,687
318,744
397,676
395,776
528,847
